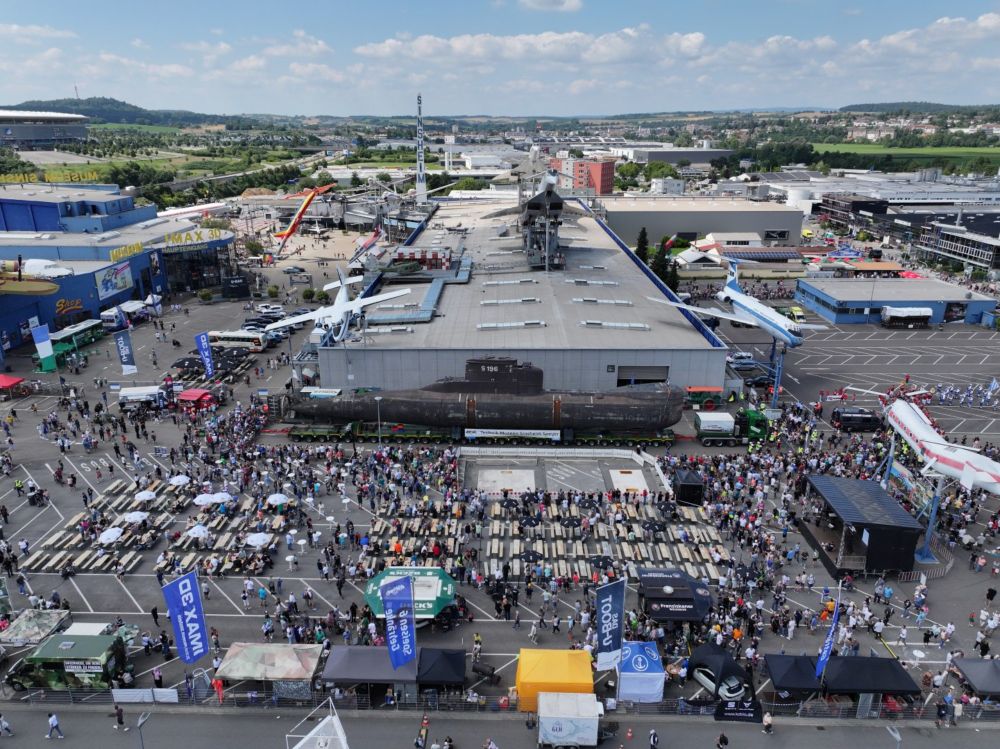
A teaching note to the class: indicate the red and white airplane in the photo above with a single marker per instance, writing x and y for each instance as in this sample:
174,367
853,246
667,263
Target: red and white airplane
969,467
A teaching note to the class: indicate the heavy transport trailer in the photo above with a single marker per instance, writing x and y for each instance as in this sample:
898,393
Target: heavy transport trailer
399,433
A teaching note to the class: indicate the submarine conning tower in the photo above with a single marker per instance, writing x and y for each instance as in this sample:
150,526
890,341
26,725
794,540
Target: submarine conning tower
493,374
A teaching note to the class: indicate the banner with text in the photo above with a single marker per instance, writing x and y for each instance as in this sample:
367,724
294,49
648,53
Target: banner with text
186,614
400,626
205,352
610,624
46,357
123,342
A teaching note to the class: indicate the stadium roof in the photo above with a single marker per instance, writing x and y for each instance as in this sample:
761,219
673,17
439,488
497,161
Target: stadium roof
24,115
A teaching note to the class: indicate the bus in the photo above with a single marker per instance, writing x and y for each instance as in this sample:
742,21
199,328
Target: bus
78,335
248,339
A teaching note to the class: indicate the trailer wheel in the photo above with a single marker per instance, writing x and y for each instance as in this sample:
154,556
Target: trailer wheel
708,405
731,443
706,442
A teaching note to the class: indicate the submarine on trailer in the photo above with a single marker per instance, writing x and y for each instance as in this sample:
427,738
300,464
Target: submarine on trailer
501,393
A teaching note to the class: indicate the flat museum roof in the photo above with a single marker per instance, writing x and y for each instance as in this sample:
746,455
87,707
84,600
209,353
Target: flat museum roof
591,256
899,289
613,204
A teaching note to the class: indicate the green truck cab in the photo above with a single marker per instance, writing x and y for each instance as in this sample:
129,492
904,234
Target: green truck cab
66,662
741,428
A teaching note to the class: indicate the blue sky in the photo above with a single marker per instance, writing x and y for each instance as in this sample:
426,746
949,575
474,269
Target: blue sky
502,57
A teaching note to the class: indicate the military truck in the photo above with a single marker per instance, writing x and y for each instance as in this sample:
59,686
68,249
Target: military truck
741,428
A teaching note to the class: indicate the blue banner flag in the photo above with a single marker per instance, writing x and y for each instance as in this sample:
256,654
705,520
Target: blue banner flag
123,342
186,614
205,352
400,627
824,654
610,624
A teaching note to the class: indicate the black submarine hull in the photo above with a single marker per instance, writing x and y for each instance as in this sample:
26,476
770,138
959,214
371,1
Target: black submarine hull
630,411
501,393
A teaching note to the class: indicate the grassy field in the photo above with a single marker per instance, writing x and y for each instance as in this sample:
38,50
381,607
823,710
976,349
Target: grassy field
164,129
925,153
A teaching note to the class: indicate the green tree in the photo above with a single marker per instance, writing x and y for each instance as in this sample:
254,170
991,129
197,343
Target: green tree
272,292
384,177
356,180
673,279
253,247
661,262
322,297
308,294
642,246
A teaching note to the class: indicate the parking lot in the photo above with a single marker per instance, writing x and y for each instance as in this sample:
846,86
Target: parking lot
874,358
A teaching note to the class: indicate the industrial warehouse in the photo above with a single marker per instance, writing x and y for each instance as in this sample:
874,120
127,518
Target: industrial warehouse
585,322
856,300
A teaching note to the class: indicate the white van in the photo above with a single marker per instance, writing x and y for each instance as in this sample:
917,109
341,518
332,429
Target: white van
152,395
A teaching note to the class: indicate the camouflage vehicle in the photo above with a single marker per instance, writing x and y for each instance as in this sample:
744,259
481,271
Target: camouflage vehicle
71,662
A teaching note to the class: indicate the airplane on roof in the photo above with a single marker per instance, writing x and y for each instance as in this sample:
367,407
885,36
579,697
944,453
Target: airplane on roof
966,464
342,311
748,310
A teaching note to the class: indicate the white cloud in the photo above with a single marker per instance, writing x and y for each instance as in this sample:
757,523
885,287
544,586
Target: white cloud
138,43
210,51
582,85
300,45
572,47
14,32
247,64
561,6
118,64
315,71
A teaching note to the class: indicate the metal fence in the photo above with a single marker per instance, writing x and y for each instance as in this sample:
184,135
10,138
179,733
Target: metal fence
435,702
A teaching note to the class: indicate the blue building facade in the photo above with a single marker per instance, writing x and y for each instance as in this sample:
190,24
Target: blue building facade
117,251
848,301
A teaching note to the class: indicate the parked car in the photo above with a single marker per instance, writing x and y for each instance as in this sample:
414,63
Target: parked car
741,360
757,381
265,308
730,689
293,269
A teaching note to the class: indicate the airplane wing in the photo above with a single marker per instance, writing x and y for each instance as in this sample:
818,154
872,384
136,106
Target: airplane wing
711,311
356,305
348,281
316,314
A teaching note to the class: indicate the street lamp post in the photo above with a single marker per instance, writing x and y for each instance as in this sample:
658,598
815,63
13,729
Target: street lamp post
143,717
378,412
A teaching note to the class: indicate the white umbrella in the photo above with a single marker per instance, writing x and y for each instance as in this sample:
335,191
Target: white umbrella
136,517
294,531
145,496
197,531
179,480
258,540
203,500
222,497
277,499
301,542
110,535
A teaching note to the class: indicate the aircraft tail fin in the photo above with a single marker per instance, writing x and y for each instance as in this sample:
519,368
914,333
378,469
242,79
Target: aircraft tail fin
733,278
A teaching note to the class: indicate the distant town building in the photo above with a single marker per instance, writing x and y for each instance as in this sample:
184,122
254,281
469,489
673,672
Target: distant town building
596,175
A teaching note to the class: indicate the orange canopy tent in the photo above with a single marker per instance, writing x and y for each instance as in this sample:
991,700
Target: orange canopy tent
551,671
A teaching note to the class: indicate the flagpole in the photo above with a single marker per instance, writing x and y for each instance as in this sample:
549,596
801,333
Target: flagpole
825,653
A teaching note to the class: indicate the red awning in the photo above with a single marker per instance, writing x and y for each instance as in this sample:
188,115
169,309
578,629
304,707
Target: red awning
9,381
194,395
